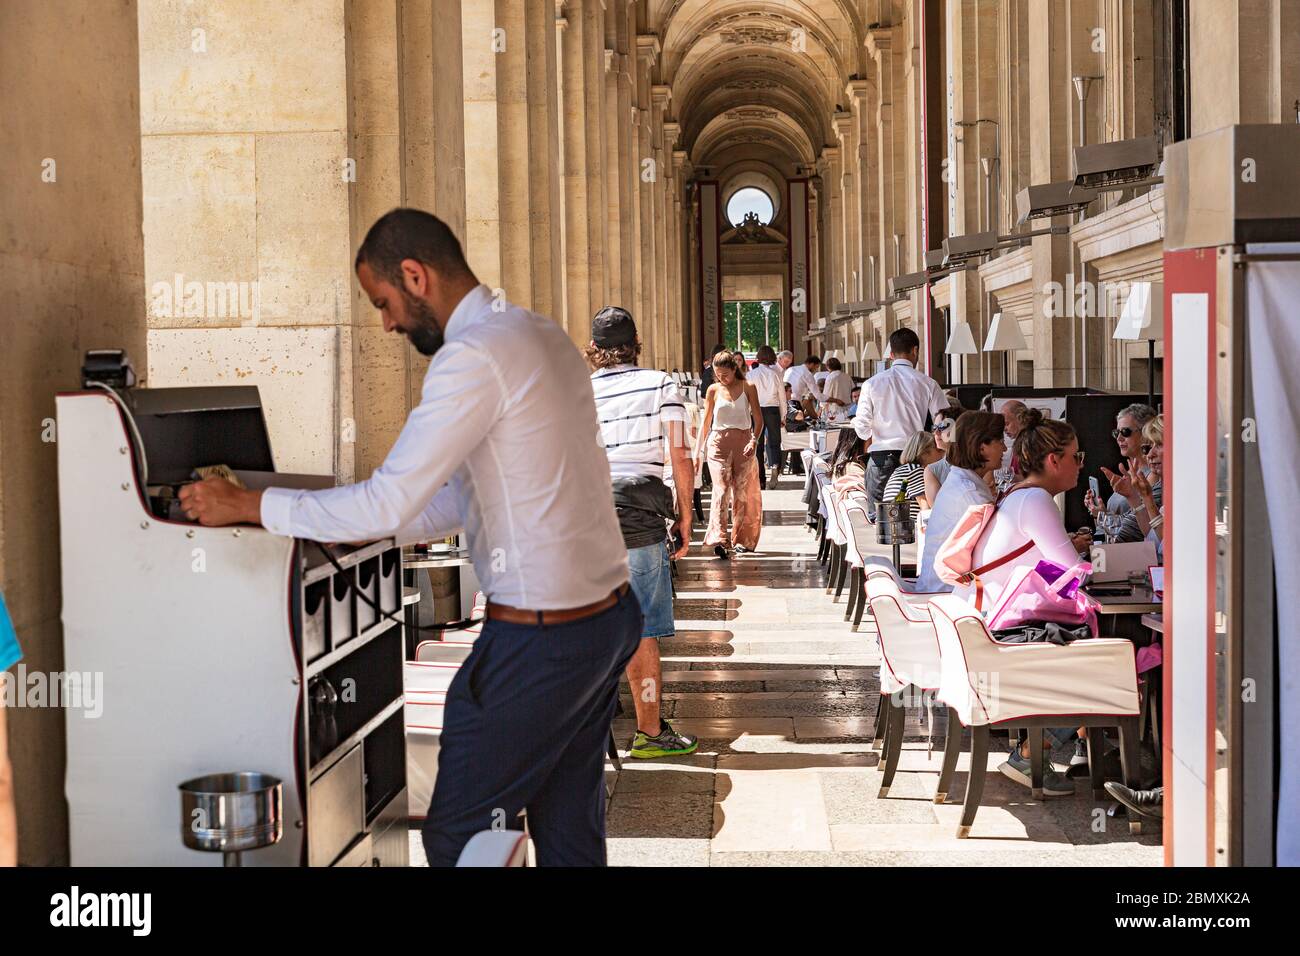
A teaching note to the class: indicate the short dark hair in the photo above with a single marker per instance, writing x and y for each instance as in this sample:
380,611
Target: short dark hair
971,431
411,234
812,360
954,412
833,364
902,341
766,355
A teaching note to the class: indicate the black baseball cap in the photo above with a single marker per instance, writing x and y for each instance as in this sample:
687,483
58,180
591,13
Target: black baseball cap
613,327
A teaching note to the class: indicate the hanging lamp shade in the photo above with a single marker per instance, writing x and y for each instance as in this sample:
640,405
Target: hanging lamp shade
962,341
1143,317
1005,334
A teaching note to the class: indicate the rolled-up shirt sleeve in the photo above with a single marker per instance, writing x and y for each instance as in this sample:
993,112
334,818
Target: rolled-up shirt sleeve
463,396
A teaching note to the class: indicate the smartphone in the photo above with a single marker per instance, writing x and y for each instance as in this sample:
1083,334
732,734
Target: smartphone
1095,486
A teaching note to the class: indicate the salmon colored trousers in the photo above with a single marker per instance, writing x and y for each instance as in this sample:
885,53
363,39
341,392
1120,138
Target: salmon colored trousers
736,515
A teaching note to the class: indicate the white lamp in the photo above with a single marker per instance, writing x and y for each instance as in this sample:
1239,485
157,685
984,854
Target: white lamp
1005,336
871,351
961,342
1143,319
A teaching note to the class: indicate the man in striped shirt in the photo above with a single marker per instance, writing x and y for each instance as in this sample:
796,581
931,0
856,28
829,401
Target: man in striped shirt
642,415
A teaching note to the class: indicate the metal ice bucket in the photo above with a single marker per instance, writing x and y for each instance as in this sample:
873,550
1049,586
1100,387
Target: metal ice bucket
229,813
894,523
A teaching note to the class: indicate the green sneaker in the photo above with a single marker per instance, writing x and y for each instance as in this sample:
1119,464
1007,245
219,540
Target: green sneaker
668,743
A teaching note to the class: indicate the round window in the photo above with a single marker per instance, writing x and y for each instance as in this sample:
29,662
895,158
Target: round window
746,201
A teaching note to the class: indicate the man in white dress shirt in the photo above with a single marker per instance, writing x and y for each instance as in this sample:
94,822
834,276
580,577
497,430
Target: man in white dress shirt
771,401
892,408
837,389
504,446
802,381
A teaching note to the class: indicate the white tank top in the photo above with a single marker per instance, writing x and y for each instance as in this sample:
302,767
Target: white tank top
729,414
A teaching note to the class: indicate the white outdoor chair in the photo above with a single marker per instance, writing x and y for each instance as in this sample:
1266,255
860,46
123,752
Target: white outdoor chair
909,663
860,533
986,683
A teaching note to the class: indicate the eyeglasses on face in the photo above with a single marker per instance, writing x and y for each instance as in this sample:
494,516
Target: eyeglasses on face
1146,448
1079,456
1123,432
942,426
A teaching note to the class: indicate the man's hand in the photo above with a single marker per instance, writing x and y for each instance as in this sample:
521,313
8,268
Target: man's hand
682,527
214,502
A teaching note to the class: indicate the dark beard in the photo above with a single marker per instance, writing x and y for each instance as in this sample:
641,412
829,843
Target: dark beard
426,336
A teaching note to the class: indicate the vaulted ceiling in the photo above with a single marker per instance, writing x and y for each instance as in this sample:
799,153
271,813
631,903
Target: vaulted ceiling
756,82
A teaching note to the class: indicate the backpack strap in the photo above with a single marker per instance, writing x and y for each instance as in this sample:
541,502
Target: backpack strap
973,575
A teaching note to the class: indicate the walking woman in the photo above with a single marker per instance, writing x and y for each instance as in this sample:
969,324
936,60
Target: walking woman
732,422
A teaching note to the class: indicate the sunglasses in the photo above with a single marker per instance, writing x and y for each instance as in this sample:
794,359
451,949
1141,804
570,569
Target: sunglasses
1146,448
1124,432
1079,456
942,426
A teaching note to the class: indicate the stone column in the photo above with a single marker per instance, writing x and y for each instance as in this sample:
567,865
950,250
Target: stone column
1052,111
72,277
247,186
1246,57
848,229
660,95
617,170
562,211
866,171
577,207
838,290
814,254
647,48
510,123
628,173
685,327
593,15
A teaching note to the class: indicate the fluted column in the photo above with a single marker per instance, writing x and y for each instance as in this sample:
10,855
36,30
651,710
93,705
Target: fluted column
867,212
577,211
647,47
593,16
848,233
834,236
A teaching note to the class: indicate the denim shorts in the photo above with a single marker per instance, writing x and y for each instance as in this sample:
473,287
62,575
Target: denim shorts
652,583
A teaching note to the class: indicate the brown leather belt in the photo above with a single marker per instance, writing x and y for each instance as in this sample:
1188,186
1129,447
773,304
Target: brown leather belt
519,615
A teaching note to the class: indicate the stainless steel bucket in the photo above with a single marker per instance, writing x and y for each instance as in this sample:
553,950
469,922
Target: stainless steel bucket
894,523
231,812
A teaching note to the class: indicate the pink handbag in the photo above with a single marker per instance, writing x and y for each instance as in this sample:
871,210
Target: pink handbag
1044,592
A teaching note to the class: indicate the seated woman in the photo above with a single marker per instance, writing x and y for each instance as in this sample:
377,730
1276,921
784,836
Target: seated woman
976,450
908,479
1048,455
936,472
1141,483
1047,451
849,463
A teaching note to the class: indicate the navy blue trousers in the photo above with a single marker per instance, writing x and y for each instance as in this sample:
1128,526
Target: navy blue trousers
526,724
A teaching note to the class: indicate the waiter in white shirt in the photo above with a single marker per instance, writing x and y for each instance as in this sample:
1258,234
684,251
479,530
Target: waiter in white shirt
837,389
892,408
771,401
502,445
802,382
